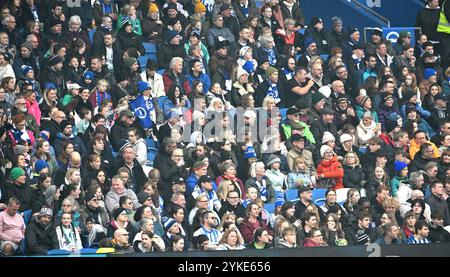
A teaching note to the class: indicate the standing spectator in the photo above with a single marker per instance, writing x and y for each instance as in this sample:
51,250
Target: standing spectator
436,200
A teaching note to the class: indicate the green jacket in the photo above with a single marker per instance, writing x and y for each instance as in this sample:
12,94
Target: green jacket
287,129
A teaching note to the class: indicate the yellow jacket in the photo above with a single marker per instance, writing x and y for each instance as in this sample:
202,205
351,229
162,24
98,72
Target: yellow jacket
414,148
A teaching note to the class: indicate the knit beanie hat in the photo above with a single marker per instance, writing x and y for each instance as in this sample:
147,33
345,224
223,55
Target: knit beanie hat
64,123
309,41
325,148
26,69
315,20
410,108
398,166
28,45
325,90
169,223
279,201
199,7
89,196
316,98
88,75
197,114
345,137
143,86
244,50
55,60
118,212
45,211
250,152
170,34
143,196
429,72
39,165
273,159
390,125
240,72
129,61
153,8
362,99
16,172
327,136
271,70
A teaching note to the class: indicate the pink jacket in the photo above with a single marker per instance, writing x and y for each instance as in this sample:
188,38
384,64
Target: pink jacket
34,110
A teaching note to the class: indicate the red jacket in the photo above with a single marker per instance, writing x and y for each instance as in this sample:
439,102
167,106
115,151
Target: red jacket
247,229
332,169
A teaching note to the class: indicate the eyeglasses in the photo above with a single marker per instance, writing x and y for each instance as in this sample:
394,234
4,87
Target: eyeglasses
67,205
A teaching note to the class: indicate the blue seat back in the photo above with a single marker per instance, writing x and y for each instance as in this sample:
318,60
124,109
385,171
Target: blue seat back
318,194
270,207
291,194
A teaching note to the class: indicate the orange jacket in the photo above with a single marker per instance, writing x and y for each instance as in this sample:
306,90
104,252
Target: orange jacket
332,169
414,148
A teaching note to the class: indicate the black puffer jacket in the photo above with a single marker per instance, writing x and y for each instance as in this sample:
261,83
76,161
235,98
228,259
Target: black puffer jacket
353,176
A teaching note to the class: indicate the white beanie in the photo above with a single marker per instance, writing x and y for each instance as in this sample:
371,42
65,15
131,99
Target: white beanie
325,148
244,50
197,114
345,137
326,91
327,136
240,72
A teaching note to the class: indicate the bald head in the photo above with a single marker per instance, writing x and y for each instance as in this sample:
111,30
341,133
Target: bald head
121,236
58,116
75,159
417,194
338,86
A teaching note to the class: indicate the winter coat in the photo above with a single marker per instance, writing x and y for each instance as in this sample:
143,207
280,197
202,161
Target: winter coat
365,133
269,195
353,176
247,229
332,169
40,239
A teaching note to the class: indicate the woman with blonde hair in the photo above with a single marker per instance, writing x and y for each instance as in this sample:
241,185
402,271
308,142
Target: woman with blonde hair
224,187
299,176
231,240
353,172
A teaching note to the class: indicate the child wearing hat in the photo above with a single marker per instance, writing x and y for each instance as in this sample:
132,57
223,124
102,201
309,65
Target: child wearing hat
277,178
400,178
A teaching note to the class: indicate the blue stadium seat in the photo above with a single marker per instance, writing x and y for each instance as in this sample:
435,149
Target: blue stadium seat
27,216
320,202
324,57
161,100
270,207
91,35
143,61
283,113
160,71
291,195
150,48
152,151
427,192
318,194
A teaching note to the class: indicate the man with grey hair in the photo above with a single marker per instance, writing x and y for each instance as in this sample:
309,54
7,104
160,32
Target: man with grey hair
405,189
174,76
137,175
9,26
406,206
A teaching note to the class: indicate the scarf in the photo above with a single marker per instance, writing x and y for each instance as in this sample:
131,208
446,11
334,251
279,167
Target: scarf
262,186
271,56
244,10
273,91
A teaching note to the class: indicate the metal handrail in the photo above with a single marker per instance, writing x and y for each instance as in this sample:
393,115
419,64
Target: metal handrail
374,13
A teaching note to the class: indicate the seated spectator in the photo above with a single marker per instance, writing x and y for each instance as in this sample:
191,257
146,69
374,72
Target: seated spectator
40,237
12,228
421,232
68,236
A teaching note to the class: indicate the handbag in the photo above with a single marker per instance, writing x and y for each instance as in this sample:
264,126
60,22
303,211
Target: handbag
325,183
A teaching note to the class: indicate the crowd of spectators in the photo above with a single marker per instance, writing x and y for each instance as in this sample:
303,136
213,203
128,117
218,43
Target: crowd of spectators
200,143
